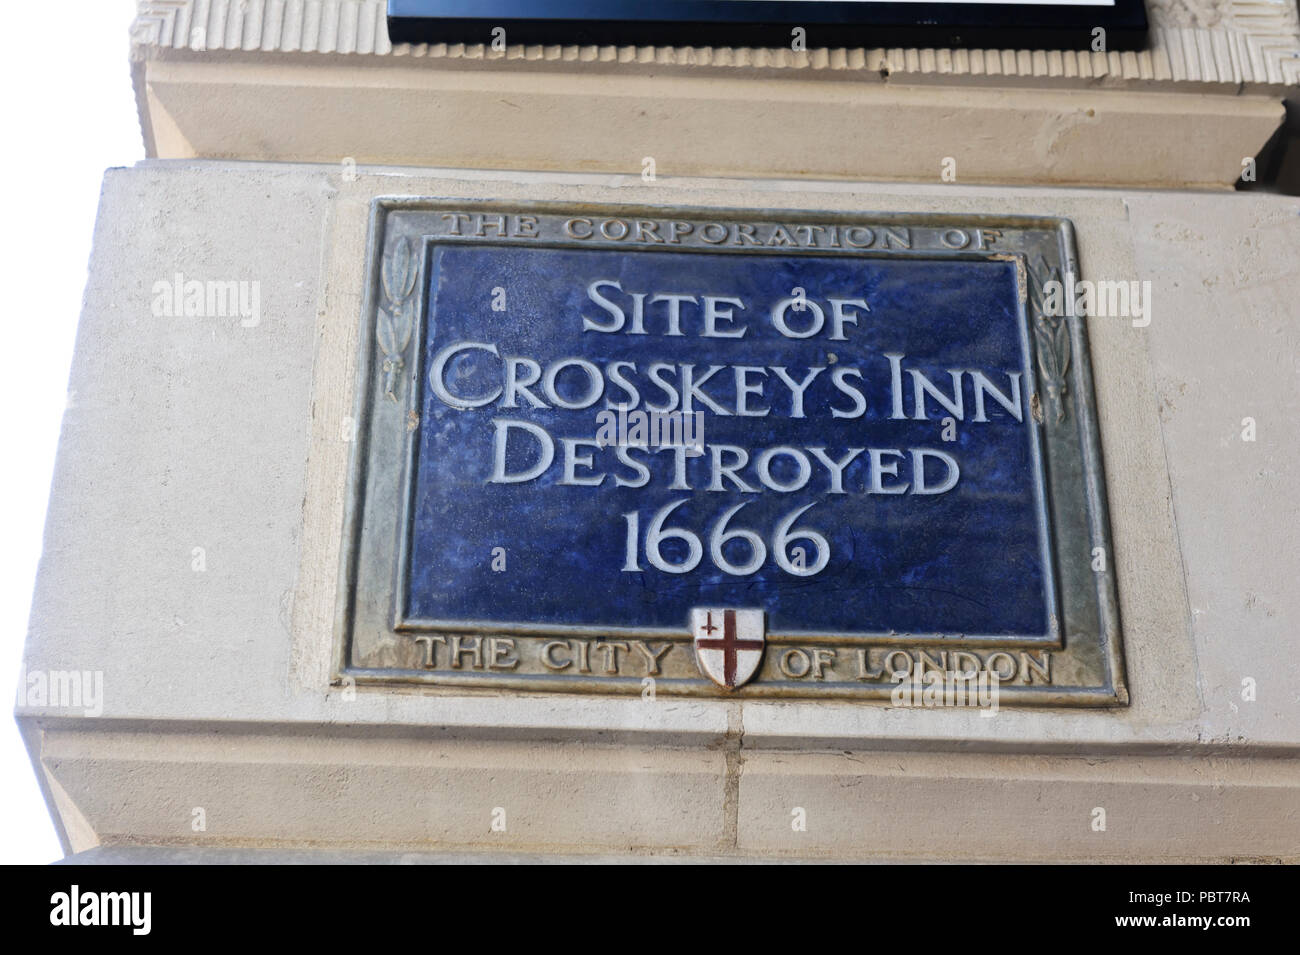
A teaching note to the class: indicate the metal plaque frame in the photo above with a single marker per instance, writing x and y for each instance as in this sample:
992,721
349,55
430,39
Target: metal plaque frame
375,644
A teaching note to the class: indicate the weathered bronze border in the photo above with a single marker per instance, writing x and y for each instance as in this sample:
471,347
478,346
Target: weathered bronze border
1085,638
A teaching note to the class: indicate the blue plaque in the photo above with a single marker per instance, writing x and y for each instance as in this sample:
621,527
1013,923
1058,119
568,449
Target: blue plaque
891,406
778,456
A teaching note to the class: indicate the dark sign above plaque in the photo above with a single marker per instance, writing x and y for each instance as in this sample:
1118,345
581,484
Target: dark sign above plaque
1021,24
789,455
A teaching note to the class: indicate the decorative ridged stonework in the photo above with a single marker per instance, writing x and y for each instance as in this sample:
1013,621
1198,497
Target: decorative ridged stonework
1221,45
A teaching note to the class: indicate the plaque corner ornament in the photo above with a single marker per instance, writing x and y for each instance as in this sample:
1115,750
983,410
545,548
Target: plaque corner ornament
1051,333
729,643
395,320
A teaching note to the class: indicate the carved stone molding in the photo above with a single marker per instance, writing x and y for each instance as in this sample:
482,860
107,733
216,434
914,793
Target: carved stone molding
1222,46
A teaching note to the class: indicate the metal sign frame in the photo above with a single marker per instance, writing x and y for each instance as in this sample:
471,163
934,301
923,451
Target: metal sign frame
375,644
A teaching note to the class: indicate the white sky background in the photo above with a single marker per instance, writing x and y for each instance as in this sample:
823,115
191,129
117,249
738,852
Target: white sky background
68,114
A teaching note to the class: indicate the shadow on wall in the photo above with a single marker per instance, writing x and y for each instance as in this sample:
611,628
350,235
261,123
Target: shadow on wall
1277,167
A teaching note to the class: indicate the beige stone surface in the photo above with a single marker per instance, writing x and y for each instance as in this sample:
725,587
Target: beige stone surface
1230,288
204,432
318,81
370,791
700,126
979,807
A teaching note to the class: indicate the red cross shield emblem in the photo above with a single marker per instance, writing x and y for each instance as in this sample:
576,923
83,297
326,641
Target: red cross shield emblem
728,644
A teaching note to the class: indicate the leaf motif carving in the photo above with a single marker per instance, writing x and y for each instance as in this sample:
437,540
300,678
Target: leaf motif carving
1051,335
399,271
1062,349
1039,276
1046,357
404,324
395,324
384,332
